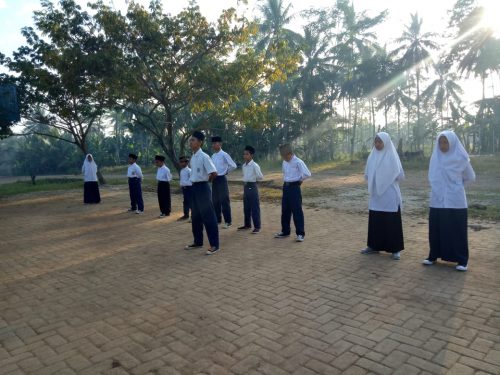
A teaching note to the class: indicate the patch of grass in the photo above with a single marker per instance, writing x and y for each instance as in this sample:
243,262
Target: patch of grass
47,184
486,164
339,165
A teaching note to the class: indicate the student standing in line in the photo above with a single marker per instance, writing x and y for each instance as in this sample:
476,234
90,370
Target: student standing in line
163,177
449,169
294,173
134,174
220,190
90,185
185,183
251,207
203,214
383,172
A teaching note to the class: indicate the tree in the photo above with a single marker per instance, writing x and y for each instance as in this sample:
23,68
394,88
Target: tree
177,73
415,48
59,73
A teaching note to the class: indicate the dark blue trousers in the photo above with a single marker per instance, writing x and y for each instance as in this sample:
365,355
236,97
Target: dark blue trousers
186,202
220,198
164,200
135,190
291,204
251,207
202,214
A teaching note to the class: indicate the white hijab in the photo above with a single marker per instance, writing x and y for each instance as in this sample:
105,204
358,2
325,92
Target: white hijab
89,169
382,167
447,167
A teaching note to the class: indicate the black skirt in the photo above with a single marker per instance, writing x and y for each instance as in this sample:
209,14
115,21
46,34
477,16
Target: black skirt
91,192
385,231
448,235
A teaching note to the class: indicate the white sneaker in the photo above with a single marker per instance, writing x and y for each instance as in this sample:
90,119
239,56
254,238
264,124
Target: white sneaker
427,262
368,250
139,212
396,256
299,238
461,268
226,225
162,215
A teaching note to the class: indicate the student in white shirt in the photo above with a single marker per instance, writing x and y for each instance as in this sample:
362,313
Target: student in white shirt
163,177
449,170
202,209
185,183
294,172
90,185
383,172
134,174
251,207
220,190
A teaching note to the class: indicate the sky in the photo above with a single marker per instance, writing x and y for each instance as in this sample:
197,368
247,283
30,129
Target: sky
15,14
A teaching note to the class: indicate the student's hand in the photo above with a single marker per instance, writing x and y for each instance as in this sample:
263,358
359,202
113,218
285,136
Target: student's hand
300,182
212,176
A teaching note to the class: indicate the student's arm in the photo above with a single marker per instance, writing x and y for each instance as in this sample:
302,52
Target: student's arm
169,175
305,173
231,165
469,175
209,166
138,171
212,176
258,172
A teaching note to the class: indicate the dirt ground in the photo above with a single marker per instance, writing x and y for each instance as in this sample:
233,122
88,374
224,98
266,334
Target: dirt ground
92,289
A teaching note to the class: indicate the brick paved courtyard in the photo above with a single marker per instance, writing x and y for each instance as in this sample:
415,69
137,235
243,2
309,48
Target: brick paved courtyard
94,290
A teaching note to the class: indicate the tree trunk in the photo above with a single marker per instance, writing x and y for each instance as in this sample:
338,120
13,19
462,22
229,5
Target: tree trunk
353,137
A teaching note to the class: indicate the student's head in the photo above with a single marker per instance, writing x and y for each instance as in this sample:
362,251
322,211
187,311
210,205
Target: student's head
248,153
132,158
444,144
196,141
89,158
183,161
286,152
159,160
378,143
216,143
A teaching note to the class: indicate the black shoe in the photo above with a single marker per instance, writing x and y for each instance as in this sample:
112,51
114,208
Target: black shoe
192,246
243,227
281,235
256,230
183,218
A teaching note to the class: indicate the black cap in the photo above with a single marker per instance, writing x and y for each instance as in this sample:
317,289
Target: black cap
133,156
216,139
160,157
183,158
250,149
199,135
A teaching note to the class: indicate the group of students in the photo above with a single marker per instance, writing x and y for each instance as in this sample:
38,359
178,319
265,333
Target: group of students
203,180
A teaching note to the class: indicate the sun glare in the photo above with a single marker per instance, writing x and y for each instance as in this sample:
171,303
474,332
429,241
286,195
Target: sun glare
490,18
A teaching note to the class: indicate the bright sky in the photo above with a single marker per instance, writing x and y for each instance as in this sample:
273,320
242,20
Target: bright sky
14,14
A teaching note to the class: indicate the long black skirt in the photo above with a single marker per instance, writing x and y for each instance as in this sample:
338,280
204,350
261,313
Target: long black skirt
448,235
91,192
385,231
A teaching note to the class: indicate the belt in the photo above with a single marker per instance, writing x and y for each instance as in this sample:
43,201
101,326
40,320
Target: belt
133,178
249,183
200,182
293,183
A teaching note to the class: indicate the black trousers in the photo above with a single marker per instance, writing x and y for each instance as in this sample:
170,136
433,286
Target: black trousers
164,197
186,202
135,191
251,207
448,235
291,204
220,198
202,214
91,192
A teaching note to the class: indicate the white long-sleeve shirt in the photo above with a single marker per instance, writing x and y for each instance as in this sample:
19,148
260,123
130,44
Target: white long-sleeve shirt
163,174
134,171
452,194
185,177
89,172
223,162
390,200
201,166
252,172
295,170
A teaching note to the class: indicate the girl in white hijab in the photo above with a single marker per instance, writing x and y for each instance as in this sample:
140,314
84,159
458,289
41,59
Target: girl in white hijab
383,173
90,185
449,169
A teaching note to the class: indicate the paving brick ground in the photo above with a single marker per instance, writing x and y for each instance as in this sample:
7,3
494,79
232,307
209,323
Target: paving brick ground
94,290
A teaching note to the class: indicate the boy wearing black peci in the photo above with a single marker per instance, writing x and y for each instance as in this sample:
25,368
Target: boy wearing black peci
251,207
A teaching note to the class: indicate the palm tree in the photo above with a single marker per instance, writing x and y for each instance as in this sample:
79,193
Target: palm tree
443,90
415,48
397,99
